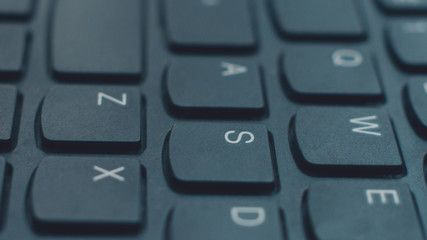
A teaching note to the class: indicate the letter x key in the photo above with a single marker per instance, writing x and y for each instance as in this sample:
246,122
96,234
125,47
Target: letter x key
90,191
105,173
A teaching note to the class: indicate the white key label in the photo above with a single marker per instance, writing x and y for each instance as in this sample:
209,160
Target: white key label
383,194
415,27
249,135
368,126
210,3
105,173
122,102
407,1
255,216
347,58
231,69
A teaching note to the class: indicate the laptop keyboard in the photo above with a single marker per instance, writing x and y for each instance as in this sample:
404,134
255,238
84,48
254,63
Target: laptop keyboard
213,119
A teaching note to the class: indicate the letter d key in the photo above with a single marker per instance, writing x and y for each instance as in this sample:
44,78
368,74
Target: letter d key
231,218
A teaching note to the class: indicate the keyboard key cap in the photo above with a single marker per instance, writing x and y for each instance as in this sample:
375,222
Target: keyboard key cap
362,210
335,74
337,19
16,8
407,39
13,47
4,188
8,116
231,158
404,6
416,102
75,194
206,219
97,38
345,142
215,88
218,25
91,119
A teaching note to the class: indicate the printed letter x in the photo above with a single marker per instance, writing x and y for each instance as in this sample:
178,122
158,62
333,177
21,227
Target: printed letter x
106,173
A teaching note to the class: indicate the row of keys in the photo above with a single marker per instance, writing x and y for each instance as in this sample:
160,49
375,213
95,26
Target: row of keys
111,44
121,51
327,141
91,119
218,88
87,118
99,119
92,193
333,211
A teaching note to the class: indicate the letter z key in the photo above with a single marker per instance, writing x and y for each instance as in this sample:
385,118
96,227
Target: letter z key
91,119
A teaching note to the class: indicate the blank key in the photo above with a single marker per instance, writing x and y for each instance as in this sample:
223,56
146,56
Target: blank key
314,18
406,42
209,24
97,38
16,8
13,48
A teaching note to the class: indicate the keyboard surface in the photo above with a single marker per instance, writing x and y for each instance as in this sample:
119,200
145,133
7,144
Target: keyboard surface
213,119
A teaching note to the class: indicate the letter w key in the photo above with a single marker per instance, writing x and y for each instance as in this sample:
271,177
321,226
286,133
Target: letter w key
368,126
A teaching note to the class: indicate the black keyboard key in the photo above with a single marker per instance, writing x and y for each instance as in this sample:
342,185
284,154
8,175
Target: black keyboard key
4,188
335,19
417,102
209,24
87,194
13,48
91,119
404,6
8,115
215,88
345,142
362,210
225,219
97,38
230,158
406,40
335,74
16,8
